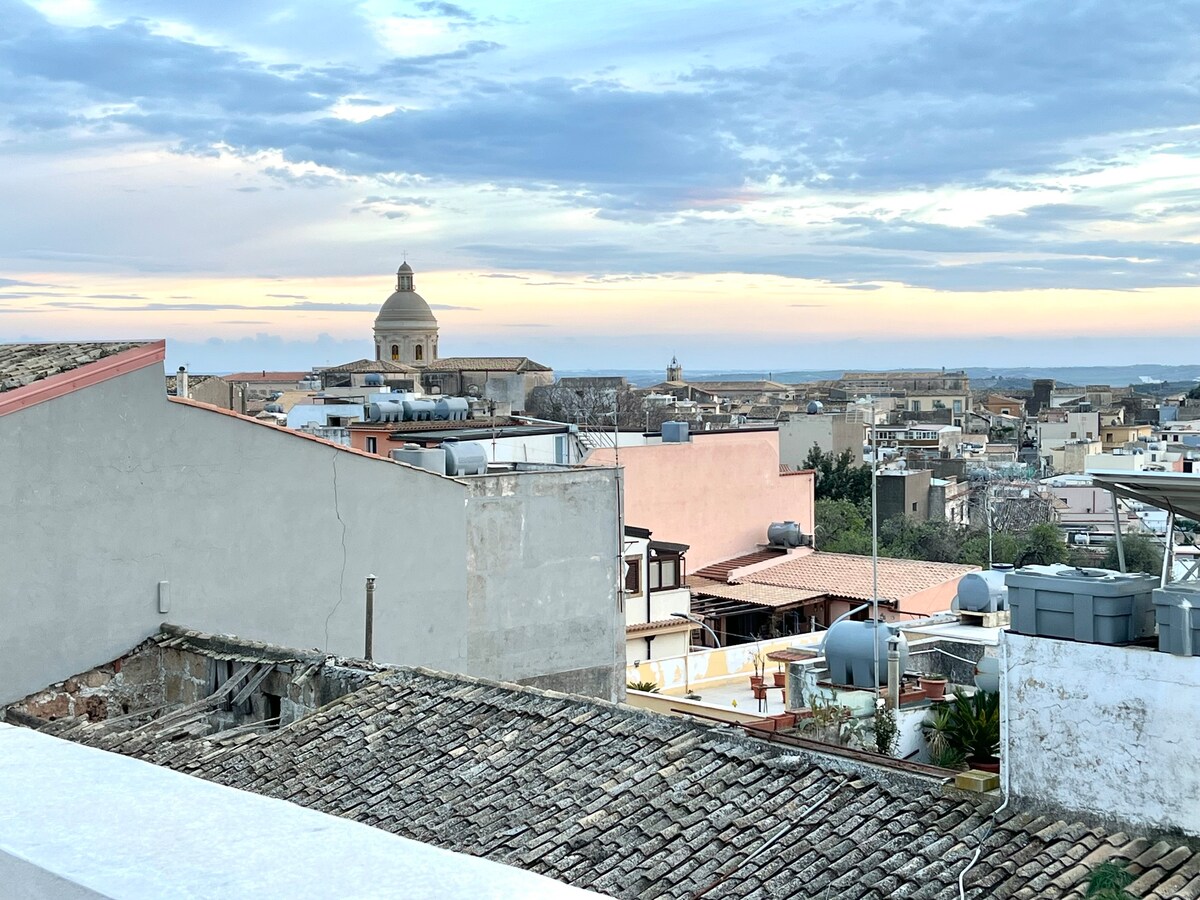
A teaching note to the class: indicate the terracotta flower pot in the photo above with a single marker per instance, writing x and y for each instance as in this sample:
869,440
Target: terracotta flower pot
780,679
760,692
991,764
934,686
756,681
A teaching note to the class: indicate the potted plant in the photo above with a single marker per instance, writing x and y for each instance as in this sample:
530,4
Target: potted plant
760,668
934,686
973,728
937,738
780,675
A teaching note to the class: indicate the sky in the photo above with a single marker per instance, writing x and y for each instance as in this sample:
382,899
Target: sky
754,186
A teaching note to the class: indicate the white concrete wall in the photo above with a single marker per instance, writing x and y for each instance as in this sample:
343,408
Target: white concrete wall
76,822
269,535
1109,731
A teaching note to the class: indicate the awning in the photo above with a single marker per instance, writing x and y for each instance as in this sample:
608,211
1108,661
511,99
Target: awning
1164,490
668,547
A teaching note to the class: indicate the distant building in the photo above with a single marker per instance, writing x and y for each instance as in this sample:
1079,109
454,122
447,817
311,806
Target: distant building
655,590
406,330
835,433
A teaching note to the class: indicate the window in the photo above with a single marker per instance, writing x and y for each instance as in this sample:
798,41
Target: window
419,354
663,573
916,406
914,509
372,445
633,575
958,407
395,351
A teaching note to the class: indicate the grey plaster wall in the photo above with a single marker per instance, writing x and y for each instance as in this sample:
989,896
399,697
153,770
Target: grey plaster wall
261,533
542,589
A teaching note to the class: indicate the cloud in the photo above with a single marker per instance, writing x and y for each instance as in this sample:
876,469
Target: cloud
448,10
288,296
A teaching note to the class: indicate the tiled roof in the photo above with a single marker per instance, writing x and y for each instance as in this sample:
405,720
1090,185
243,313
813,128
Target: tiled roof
718,386
747,592
486,364
22,364
659,625
847,575
194,381
635,804
265,377
720,571
368,366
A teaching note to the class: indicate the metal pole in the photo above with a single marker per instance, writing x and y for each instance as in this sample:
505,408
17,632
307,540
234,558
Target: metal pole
894,673
875,540
369,651
1166,566
1117,531
987,502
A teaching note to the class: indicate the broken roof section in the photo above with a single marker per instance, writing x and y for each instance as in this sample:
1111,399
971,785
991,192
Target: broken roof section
633,804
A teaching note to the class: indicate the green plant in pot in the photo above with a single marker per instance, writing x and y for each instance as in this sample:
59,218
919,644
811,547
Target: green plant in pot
937,738
973,728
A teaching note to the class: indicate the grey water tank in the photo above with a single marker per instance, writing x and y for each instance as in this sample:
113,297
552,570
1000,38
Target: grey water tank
450,409
815,407
373,379
432,459
784,534
983,592
385,411
1093,606
465,458
675,432
273,408
418,410
850,647
1177,614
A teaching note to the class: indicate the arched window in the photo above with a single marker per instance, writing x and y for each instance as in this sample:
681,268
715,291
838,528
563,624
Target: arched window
420,354
395,352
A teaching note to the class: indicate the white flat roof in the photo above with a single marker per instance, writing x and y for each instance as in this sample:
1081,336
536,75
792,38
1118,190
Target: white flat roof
76,822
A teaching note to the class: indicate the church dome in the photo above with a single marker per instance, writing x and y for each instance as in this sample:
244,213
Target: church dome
405,308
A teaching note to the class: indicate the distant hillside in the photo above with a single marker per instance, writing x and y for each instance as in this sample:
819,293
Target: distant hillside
1019,377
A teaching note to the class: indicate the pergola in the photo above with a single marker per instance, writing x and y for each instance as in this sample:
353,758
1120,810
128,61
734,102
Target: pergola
1178,494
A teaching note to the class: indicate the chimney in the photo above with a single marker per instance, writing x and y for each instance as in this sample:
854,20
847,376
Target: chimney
181,382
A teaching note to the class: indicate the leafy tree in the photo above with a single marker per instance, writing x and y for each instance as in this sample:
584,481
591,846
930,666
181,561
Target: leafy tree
839,476
1141,555
842,528
1194,393
1043,546
906,538
974,549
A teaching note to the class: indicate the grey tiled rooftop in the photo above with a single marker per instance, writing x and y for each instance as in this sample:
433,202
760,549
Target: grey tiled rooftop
22,364
634,804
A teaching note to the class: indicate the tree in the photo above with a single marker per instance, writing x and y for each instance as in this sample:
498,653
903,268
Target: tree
839,477
596,405
1043,546
1141,555
1194,393
974,550
842,528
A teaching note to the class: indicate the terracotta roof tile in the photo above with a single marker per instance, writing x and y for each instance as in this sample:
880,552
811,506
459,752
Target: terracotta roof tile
486,364
847,575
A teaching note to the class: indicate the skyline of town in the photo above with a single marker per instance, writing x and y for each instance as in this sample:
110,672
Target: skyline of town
841,185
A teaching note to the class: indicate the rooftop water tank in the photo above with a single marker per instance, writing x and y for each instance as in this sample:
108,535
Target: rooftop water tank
373,379
850,647
815,407
432,459
273,408
450,409
465,458
1093,606
675,432
784,534
385,411
1177,614
418,410
983,592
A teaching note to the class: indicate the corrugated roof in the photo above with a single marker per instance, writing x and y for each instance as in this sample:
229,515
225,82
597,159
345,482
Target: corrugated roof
22,364
847,575
635,804
720,571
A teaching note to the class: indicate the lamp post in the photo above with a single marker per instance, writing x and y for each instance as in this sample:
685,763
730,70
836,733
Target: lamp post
874,535
687,658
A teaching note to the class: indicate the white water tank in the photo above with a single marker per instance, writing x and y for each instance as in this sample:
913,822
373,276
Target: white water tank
450,409
385,411
418,410
849,647
465,458
432,459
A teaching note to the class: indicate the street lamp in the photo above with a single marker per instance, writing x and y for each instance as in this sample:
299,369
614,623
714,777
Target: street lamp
687,656
699,621
874,533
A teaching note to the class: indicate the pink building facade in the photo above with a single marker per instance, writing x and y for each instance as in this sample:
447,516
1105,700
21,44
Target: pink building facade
718,493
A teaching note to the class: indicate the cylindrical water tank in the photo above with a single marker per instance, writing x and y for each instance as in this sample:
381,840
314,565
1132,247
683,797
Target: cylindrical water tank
450,409
385,411
784,534
418,410
432,459
373,379
273,408
815,407
850,647
983,592
465,458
